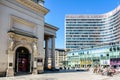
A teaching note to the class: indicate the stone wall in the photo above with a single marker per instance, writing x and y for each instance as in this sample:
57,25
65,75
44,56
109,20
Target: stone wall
8,10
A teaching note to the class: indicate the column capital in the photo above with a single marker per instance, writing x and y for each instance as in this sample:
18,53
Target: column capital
46,38
35,40
11,34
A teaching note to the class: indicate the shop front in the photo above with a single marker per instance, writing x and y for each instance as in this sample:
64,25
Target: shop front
96,62
105,62
115,62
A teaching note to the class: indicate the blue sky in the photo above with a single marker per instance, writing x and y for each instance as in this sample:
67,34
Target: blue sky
59,8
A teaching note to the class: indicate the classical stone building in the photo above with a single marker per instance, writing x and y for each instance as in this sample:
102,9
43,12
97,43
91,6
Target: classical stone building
60,58
22,32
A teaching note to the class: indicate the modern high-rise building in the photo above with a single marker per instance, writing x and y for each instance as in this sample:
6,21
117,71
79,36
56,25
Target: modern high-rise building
89,30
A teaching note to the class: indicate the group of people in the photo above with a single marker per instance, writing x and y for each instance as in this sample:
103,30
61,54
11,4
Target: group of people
108,71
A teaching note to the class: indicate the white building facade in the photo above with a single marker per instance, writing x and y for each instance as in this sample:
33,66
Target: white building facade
60,58
23,31
90,30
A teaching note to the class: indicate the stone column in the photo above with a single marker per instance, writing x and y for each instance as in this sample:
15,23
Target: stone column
53,53
46,54
35,66
35,55
10,71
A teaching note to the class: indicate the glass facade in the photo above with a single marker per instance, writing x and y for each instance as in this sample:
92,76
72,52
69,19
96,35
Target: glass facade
83,31
104,55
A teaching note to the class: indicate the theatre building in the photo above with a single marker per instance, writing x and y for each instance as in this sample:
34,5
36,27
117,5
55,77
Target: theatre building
23,36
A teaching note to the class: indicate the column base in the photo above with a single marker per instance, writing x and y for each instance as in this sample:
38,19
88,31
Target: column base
10,72
53,68
46,68
40,71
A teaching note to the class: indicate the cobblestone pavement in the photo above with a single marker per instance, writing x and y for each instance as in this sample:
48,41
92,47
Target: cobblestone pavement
64,76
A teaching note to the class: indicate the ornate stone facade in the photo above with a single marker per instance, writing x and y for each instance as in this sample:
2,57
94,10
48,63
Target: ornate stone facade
22,34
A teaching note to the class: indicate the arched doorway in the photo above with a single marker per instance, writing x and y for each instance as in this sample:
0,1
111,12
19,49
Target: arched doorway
22,60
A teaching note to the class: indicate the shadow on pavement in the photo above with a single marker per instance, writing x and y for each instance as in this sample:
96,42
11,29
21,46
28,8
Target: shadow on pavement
64,71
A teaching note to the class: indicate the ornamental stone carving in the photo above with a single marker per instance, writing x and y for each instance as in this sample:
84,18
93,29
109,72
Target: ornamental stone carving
35,48
11,41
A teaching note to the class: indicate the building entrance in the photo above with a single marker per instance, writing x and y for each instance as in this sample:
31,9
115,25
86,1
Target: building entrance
22,60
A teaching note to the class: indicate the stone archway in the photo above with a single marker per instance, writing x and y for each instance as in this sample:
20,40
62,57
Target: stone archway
22,60
19,44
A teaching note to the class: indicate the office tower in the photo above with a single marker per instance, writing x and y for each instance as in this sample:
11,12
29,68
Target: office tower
83,31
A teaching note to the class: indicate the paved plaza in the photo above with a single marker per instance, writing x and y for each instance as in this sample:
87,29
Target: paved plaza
79,75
